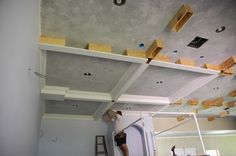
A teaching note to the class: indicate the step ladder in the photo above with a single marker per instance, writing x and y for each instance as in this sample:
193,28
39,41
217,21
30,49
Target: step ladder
100,146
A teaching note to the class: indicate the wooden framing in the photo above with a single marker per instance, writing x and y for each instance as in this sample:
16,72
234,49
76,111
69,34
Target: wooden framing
211,118
210,66
52,40
224,114
154,49
181,117
178,102
180,18
134,53
230,104
186,62
193,102
213,102
161,57
232,93
230,62
99,47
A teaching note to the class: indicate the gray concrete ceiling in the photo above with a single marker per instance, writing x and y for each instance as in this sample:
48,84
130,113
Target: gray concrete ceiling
138,21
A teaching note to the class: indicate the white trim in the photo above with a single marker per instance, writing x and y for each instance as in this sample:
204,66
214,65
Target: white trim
101,110
86,52
191,87
183,67
139,99
134,71
67,117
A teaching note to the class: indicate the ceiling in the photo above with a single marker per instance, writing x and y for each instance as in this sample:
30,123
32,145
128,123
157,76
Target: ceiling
122,27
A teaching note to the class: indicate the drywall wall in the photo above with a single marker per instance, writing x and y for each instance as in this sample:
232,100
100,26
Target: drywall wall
218,124
19,93
225,144
69,137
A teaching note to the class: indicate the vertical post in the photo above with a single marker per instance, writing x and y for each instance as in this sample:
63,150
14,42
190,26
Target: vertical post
144,135
199,133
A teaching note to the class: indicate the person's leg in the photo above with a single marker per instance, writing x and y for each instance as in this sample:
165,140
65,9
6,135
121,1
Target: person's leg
124,149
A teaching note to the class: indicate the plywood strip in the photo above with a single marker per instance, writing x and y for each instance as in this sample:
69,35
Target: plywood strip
161,57
154,49
134,53
230,104
181,117
178,102
180,18
52,40
224,114
187,62
211,118
232,93
213,102
99,47
193,102
210,66
227,64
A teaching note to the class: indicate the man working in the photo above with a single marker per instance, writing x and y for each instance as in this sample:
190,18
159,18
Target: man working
120,138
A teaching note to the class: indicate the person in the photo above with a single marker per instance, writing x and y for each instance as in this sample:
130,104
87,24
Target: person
120,138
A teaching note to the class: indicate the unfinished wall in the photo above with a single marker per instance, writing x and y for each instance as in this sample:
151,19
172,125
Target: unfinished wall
19,93
67,137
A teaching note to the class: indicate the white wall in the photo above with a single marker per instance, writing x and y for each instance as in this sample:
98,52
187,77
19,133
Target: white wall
69,137
19,93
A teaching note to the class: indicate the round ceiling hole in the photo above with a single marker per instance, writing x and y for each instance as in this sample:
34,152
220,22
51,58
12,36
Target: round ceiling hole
175,51
220,29
202,56
119,2
141,45
159,82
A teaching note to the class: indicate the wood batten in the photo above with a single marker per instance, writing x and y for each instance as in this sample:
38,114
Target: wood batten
193,102
232,93
213,102
227,64
99,47
187,62
52,40
211,118
154,49
161,57
181,117
210,66
178,102
230,104
134,53
180,18
224,114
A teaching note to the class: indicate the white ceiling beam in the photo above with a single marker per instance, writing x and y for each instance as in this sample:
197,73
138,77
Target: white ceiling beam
183,67
86,52
191,87
63,93
139,99
134,71
67,116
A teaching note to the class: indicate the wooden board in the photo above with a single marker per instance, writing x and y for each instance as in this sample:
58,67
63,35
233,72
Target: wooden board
99,47
154,49
193,102
161,57
180,18
178,102
187,62
230,62
210,66
230,104
232,93
213,102
134,53
52,40
211,118
224,114
181,117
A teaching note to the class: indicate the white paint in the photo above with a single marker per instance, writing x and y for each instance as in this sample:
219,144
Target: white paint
85,52
19,58
69,137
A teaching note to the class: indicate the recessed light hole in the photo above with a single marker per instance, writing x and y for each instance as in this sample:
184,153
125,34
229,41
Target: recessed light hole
141,45
175,51
159,82
202,56
87,74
